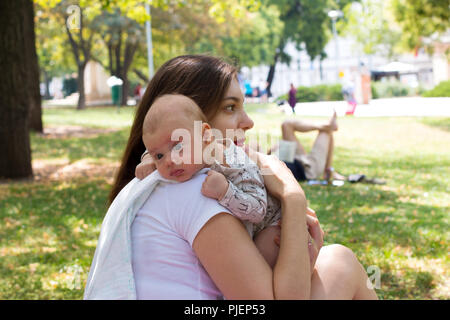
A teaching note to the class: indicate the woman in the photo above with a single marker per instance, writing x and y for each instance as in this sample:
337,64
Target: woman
224,258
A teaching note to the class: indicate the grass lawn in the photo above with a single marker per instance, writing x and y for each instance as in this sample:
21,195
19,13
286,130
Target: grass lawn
49,227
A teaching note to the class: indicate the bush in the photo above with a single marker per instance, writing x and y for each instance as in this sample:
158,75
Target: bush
70,86
441,90
390,89
321,92
374,90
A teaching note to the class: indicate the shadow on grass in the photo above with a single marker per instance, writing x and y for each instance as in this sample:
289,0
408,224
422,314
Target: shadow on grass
380,229
429,172
51,226
441,123
109,146
367,214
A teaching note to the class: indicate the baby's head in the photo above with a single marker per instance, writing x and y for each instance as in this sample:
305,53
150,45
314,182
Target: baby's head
169,136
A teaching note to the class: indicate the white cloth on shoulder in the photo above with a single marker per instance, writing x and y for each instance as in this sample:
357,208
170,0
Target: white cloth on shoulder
111,273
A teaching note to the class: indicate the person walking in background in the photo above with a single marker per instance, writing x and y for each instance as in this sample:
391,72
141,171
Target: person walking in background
138,93
264,94
348,91
248,89
292,97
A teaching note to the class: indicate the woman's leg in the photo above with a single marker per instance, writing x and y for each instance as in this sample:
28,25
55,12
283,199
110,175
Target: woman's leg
289,127
339,275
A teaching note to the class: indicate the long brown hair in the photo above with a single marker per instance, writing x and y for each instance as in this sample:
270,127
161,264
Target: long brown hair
202,78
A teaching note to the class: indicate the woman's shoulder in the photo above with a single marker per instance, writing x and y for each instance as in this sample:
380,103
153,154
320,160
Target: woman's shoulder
187,195
189,209
190,187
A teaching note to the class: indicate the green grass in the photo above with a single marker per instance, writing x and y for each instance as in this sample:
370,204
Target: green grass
49,229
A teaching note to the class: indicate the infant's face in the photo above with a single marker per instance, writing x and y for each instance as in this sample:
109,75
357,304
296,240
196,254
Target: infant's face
174,160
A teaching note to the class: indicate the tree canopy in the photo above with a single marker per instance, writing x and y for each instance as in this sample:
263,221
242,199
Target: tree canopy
421,19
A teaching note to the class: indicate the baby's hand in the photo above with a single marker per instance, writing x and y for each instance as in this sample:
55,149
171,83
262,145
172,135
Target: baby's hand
215,185
144,168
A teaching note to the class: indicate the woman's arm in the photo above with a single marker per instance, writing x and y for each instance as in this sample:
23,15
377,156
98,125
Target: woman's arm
234,263
232,260
292,278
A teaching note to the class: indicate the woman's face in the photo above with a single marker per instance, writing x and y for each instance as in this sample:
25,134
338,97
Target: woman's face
231,116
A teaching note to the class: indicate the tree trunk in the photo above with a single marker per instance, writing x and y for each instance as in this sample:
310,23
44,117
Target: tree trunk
82,47
80,82
35,115
130,50
35,112
271,74
17,58
321,70
125,90
47,80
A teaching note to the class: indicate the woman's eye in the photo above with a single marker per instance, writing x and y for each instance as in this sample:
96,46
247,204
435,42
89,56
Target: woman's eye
229,108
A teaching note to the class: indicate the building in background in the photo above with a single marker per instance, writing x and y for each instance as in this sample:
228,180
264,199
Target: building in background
304,72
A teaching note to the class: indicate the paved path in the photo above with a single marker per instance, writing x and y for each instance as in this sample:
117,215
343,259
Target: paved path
394,107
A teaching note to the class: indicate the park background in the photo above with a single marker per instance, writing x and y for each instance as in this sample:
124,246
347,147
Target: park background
64,128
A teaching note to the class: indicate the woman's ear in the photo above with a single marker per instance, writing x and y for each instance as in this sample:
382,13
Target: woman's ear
206,132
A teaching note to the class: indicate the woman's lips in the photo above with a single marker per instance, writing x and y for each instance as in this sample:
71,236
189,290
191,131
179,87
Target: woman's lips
177,173
239,142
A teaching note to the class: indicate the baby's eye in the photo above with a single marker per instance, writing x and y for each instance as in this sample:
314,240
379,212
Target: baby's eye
159,156
178,147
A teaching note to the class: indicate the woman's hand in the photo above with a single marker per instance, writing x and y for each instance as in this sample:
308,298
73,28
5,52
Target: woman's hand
315,242
144,168
314,228
278,178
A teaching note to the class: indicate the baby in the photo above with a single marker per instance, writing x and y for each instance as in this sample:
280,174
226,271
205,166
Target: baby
173,131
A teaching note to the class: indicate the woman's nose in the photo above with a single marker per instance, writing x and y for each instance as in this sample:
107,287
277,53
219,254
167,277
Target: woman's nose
246,123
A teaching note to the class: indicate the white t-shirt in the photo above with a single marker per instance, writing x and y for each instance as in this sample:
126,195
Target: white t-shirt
164,264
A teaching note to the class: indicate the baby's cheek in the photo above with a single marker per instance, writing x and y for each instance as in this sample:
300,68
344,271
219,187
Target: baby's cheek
164,173
190,170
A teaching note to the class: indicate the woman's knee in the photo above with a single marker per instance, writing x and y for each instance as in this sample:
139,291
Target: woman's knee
339,250
345,268
339,256
287,128
286,125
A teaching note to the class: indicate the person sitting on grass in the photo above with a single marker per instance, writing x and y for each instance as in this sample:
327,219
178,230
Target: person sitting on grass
192,247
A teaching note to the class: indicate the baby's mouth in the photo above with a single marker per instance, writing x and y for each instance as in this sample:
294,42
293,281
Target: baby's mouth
176,173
